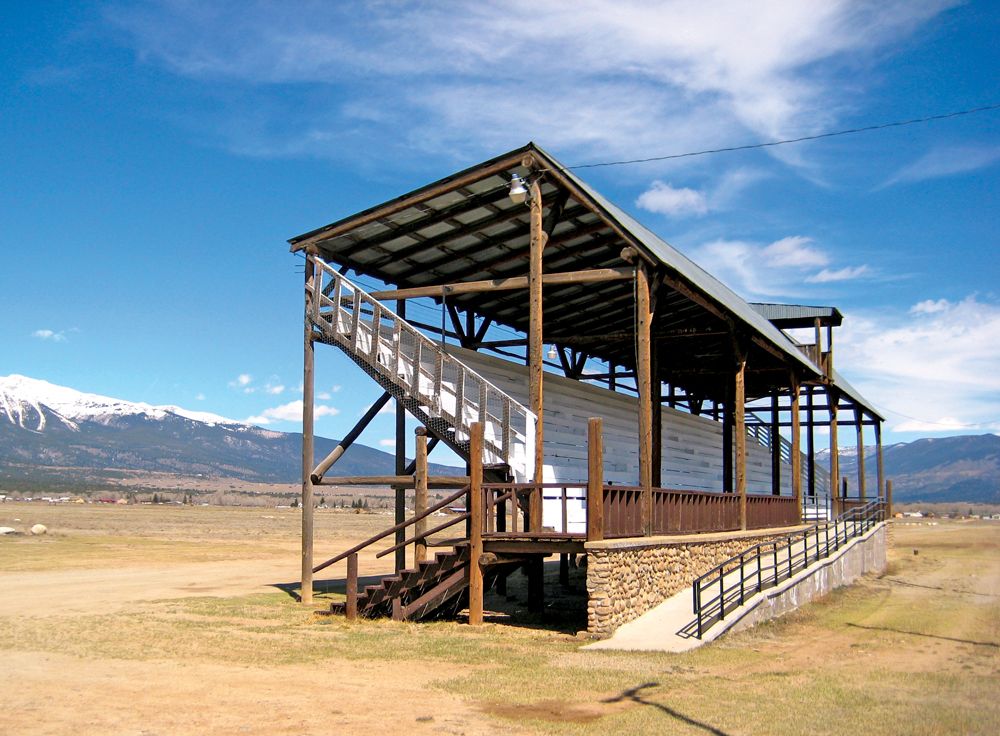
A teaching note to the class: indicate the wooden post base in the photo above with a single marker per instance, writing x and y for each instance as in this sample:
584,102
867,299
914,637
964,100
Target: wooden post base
535,570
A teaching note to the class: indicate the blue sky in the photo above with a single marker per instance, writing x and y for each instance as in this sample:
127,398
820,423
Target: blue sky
156,156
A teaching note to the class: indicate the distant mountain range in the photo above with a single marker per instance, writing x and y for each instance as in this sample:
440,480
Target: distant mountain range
45,427
42,424
965,468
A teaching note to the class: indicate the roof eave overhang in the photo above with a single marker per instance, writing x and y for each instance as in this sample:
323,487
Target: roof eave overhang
760,330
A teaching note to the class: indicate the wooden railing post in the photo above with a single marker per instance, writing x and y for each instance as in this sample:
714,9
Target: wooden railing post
420,495
475,506
352,587
595,479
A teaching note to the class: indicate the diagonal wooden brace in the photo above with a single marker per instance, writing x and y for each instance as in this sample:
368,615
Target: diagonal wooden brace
320,470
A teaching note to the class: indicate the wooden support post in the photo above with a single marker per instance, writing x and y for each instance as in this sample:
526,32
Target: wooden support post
740,430
775,447
644,318
796,445
536,583
811,441
888,499
727,440
832,399
858,418
352,587
420,494
656,438
308,397
595,479
535,350
879,460
475,506
843,492
400,505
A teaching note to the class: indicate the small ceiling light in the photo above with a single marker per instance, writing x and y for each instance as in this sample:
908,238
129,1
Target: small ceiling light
552,352
518,191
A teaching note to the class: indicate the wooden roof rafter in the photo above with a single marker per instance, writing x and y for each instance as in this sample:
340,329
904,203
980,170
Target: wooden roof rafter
462,228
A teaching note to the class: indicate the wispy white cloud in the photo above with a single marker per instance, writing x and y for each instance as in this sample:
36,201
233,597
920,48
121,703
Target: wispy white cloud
847,273
772,270
933,368
199,397
795,251
668,200
673,201
290,412
274,388
50,335
946,161
595,77
930,306
387,442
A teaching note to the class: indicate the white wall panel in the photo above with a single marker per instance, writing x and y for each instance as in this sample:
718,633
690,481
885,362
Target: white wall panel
692,445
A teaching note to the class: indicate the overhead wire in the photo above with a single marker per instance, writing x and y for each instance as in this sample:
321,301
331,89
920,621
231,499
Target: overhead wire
800,139
747,147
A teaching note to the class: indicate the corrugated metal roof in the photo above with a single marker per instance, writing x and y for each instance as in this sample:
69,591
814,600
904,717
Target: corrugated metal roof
464,227
797,315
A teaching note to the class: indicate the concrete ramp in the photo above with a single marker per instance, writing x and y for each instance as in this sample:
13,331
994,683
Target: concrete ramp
670,627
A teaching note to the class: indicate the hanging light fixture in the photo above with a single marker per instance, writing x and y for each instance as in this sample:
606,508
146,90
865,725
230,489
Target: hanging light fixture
518,190
552,352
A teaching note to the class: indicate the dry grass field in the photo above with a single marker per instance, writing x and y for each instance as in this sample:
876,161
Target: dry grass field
166,620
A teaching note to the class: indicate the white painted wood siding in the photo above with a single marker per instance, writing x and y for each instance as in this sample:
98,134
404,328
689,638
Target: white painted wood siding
692,445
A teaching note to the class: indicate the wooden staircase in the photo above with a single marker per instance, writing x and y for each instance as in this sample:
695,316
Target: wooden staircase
443,394
436,588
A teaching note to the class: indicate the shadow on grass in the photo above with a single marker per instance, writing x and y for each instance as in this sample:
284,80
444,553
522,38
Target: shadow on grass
929,636
897,581
565,608
634,695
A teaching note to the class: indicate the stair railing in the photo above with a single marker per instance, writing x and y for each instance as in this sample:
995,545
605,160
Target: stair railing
729,584
351,555
392,348
398,527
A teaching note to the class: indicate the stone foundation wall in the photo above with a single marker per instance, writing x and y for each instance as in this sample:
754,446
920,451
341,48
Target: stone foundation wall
627,577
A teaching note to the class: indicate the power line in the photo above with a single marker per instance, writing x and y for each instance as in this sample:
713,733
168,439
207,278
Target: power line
769,144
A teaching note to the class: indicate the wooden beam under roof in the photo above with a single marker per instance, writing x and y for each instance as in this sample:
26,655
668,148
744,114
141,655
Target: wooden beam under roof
506,284
555,241
494,240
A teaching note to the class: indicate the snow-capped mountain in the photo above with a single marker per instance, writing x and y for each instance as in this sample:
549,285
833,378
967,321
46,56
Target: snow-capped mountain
42,424
22,400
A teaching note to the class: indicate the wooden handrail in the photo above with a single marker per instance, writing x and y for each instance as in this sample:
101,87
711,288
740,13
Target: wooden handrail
451,522
440,527
392,530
